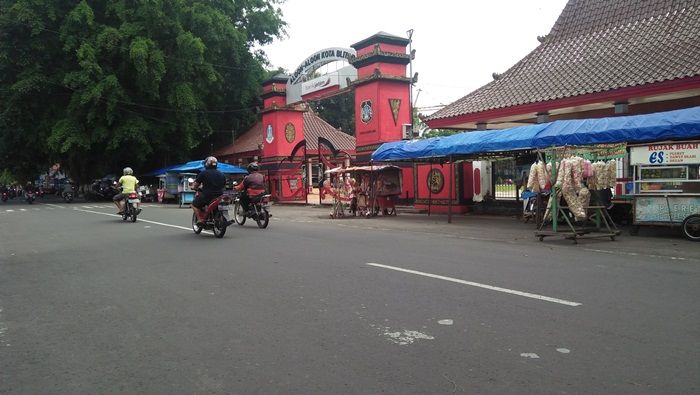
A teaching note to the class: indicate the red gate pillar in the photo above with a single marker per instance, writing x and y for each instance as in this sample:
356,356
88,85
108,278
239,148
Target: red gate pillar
283,128
382,97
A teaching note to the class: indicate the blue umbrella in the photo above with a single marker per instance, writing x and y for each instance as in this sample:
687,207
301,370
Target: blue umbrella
198,165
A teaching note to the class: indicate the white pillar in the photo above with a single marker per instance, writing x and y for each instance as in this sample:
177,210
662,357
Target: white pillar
309,175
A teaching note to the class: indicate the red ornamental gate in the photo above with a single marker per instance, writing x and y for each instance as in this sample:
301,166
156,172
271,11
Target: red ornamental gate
288,185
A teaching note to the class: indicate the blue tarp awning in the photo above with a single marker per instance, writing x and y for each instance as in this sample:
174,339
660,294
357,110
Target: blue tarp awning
197,165
669,125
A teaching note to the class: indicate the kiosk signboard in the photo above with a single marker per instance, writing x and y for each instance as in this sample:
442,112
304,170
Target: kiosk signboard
670,153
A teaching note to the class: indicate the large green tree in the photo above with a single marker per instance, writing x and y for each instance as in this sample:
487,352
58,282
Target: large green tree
338,111
101,84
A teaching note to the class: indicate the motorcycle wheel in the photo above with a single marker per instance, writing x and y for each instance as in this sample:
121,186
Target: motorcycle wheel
125,215
196,228
239,214
263,218
219,225
132,213
691,227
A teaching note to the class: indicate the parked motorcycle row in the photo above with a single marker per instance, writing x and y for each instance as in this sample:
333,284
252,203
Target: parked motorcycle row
16,192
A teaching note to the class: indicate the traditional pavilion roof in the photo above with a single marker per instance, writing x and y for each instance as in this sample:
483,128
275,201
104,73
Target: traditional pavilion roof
596,46
247,142
314,127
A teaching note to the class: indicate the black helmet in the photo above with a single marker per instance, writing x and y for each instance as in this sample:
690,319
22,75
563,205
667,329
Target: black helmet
253,166
211,162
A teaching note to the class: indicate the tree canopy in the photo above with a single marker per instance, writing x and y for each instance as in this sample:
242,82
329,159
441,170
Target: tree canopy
101,84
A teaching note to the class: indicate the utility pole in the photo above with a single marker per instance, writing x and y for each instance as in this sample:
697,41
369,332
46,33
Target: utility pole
409,33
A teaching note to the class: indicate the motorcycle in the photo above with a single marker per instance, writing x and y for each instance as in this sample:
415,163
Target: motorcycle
217,218
131,207
5,196
258,210
147,193
102,189
67,196
29,197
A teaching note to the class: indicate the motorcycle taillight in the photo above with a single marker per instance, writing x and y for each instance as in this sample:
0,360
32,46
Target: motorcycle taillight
133,195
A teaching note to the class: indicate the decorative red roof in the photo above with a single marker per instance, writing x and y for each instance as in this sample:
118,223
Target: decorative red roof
249,141
314,127
596,46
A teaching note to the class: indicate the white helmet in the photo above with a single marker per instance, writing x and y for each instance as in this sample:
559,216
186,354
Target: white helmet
210,162
128,171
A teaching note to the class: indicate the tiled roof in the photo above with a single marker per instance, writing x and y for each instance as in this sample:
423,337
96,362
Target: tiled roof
314,127
597,46
249,141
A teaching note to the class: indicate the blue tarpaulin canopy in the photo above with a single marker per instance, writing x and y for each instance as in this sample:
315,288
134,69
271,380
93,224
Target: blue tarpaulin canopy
670,125
198,165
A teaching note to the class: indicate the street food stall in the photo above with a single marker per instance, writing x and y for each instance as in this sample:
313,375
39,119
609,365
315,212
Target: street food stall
184,188
363,190
579,182
172,180
666,186
168,184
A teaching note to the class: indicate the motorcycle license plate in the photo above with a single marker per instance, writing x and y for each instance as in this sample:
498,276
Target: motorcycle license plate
223,207
134,201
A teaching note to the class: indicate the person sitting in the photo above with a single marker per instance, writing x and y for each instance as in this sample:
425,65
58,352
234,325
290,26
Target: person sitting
253,184
128,184
212,183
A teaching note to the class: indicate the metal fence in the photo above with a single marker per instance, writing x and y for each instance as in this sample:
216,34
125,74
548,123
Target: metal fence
504,179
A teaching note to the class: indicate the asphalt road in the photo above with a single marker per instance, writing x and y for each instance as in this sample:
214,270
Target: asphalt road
406,305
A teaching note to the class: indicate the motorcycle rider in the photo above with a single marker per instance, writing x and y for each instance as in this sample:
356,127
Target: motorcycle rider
29,188
129,183
212,182
253,184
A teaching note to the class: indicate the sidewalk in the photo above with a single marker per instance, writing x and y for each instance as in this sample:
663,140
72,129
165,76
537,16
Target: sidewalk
662,242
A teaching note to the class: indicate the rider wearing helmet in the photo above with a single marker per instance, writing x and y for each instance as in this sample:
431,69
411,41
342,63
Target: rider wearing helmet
128,184
212,183
253,184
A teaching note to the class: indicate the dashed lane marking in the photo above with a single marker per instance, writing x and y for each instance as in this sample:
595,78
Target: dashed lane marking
486,286
141,220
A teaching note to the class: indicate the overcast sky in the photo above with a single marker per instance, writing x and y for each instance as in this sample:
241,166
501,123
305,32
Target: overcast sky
458,43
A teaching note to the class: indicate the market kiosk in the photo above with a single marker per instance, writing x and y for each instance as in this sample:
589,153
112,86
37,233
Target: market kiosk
580,179
666,186
364,190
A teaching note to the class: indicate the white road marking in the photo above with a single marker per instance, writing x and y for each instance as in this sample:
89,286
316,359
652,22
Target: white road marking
673,258
10,211
563,350
23,209
142,220
445,322
530,355
473,284
53,205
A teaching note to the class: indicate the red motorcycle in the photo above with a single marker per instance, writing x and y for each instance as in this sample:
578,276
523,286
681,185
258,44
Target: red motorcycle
217,218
